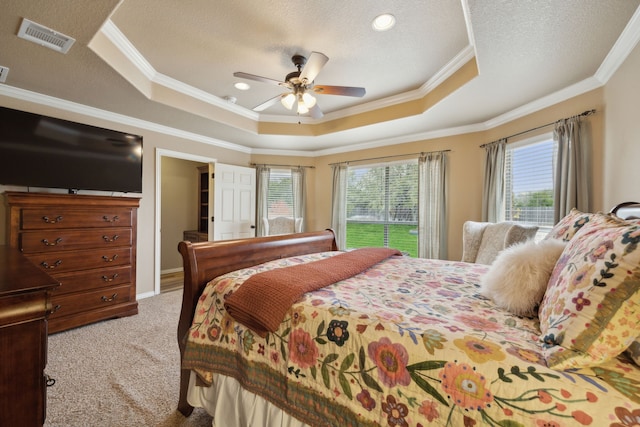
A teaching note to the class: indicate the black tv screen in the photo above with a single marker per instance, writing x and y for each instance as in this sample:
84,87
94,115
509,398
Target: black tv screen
41,151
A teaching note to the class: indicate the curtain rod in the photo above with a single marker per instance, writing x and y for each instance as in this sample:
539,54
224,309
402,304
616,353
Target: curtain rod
389,157
586,113
281,166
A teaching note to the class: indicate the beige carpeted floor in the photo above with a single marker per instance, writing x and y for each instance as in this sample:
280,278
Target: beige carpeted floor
121,372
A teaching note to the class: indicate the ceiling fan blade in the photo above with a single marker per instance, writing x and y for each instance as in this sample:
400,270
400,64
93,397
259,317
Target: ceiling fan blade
339,90
258,78
313,66
268,103
316,112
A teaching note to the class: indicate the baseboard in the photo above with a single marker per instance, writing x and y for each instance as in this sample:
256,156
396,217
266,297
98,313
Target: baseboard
171,271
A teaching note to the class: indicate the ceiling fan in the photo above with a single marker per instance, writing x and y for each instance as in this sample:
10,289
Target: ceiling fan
301,83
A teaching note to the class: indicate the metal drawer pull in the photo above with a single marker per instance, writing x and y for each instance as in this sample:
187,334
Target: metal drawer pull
109,299
110,239
52,221
55,242
107,259
115,218
106,279
45,264
56,308
50,382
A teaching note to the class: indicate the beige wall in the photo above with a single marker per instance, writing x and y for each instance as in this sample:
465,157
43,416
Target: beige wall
622,133
179,208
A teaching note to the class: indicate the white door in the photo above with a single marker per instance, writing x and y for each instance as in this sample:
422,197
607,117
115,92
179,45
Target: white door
234,203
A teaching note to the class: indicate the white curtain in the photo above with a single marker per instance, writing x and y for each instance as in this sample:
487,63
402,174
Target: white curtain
298,182
493,188
262,185
571,186
339,205
432,224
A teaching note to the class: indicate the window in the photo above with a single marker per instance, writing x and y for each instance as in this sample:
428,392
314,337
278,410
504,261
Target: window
529,170
280,194
281,200
382,206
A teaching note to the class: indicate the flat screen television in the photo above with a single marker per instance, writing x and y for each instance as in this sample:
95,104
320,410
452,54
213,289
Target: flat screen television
41,151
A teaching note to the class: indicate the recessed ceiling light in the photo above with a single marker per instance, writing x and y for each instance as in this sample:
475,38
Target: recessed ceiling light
384,22
242,86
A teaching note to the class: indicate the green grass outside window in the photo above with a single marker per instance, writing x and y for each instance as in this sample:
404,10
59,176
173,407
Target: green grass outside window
402,237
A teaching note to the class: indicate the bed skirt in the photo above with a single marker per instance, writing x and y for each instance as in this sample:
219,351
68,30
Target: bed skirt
232,406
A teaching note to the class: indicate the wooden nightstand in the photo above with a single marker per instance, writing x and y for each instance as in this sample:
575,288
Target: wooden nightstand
25,302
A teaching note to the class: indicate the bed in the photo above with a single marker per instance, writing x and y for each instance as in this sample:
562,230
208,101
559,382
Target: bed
414,342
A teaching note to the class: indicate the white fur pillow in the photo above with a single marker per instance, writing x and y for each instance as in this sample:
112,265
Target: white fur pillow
517,279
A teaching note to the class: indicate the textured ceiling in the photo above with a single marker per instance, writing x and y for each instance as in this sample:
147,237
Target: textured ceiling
172,63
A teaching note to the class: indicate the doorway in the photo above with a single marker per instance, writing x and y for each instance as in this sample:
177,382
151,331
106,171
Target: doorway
190,160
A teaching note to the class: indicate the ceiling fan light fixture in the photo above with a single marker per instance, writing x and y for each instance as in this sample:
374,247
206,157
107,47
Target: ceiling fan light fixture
242,86
302,109
383,22
308,100
288,100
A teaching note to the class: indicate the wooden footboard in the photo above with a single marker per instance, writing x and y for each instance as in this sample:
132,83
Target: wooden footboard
207,260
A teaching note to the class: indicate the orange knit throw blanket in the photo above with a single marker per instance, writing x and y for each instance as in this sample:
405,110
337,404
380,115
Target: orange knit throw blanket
262,301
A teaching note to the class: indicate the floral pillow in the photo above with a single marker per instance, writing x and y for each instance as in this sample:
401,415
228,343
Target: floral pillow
591,309
567,227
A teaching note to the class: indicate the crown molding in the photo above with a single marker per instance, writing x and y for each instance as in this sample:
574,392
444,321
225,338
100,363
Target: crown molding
569,92
562,95
113,34
130,52
621,49
462,58
403,139
467,21
122,43
440,133
84,110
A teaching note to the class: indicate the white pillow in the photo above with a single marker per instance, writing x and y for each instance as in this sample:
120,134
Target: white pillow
517,279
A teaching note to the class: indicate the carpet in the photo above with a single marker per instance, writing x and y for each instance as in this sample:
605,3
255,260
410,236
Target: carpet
121,372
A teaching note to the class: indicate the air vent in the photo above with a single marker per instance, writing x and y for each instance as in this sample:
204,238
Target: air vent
3,74
44,36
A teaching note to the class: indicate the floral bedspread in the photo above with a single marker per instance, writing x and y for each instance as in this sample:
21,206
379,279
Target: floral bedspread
409,342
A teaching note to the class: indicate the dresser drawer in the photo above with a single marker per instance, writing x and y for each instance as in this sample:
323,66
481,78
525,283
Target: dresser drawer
92,279
60,240
55,217
86,301
60,262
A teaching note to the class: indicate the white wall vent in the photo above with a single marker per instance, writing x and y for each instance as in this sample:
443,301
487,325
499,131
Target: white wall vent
44,36
3,74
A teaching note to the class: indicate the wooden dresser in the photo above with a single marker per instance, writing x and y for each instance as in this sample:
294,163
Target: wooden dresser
24,304
88,244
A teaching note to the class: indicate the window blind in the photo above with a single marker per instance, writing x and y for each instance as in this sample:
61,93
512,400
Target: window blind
529,182
280,194
382,206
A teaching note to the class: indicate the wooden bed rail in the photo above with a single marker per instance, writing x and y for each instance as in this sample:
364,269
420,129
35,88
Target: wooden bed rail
206,260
